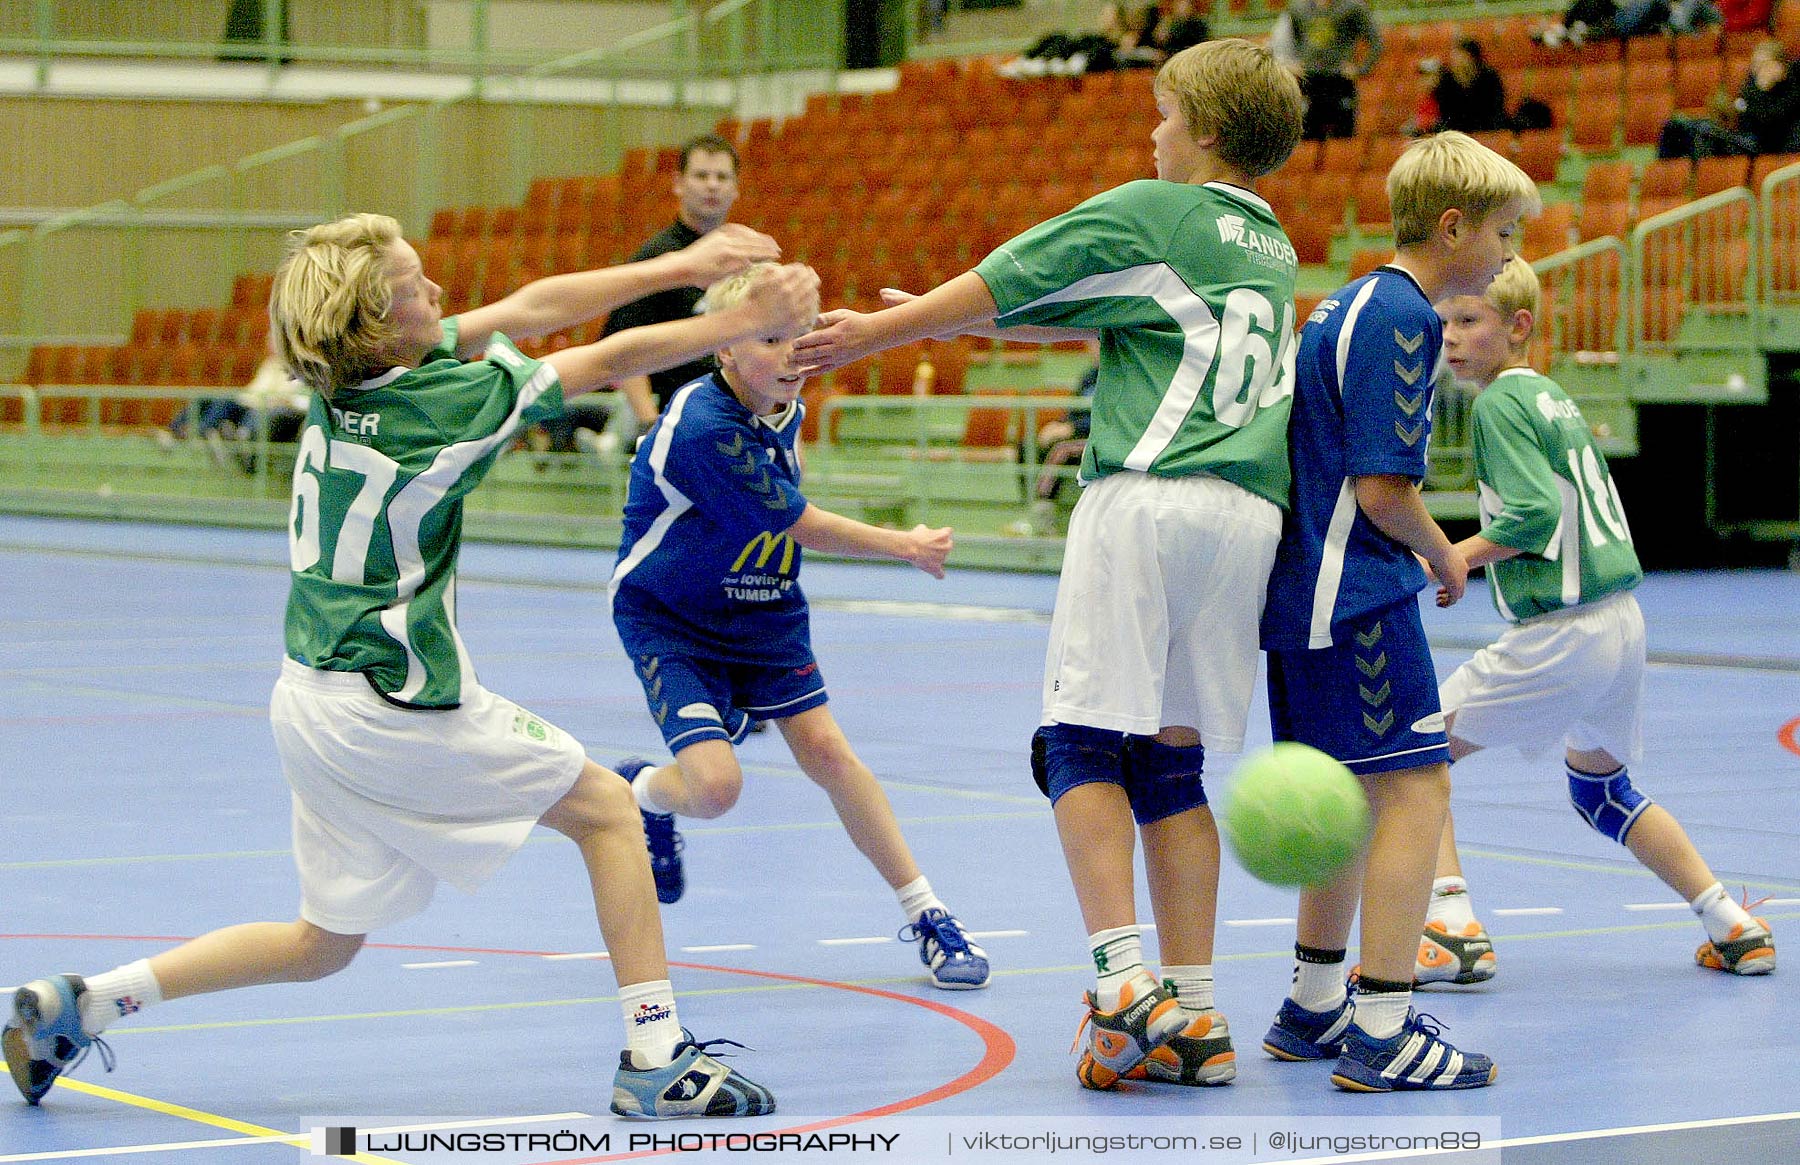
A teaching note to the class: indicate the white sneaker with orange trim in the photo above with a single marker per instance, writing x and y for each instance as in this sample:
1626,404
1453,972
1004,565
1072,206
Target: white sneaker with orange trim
1464,957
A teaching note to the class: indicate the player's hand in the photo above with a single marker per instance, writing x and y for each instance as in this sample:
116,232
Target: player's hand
841,337
726,251
1430,574
1452,572
785,299
929,548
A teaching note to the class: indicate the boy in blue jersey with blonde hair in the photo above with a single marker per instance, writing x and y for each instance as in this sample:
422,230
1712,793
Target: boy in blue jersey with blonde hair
1349,669
707,601
1570,668
1188,283
403,769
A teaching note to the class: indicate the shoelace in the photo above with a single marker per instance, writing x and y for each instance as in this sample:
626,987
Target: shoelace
943,930
1429,1024
706,1046
1745,899
107,1059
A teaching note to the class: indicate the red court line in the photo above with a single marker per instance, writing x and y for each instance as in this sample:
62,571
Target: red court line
1789,736
998,1047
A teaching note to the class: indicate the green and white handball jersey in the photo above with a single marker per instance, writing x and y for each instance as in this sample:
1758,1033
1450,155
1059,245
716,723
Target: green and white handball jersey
1545,490
1192,289
376,523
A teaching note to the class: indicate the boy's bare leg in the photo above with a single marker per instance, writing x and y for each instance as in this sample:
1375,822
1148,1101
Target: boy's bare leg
1181,865
825,756
704,781
601,817
251,954
1656,838
1098,838
1409,808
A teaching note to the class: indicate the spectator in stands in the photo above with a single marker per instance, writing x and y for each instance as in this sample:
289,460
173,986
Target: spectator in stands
705,188
1469,94
1329,45
273,400
1764,119
1070,54
1180,27
1680,17
1137,40
1584,19
1061,443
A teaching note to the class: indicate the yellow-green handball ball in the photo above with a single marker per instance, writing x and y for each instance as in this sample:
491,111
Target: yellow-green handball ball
1294,816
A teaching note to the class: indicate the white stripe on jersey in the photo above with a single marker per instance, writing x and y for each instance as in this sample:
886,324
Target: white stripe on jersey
678,503
1349,328
1331,565
418,497
1489,503
1567,541
1160,282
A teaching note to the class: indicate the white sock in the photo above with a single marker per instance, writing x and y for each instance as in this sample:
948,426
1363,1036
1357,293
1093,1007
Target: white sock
916,897
1718,912
1118,960
1381,1014
1318,986
120,992
1450,904
1193,986
651,1029
646,799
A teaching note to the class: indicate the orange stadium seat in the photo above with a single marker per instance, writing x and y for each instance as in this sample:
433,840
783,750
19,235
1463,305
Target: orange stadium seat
1664,178
1712,175
1550,232
1696,79
1607,182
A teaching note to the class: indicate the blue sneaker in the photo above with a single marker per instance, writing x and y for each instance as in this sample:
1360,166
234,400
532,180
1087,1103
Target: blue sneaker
1299,1034
44,1038
956,963
1413,1060
665,843
692,1084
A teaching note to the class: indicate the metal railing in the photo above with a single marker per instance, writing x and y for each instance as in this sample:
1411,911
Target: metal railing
1781,234
1582,287
1701,253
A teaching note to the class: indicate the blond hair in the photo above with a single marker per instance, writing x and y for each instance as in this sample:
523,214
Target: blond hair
1515,289
329,304
730,291
1452,171
1233,90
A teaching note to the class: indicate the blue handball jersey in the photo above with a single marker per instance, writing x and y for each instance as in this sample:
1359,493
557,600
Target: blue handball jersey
1362,406
706,565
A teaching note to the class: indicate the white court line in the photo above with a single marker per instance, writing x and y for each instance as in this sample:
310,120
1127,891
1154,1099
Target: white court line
1259,922
719,947
1779,902
297,1139
997,933
854,942
1516,911
1657,906
1556,1139
435,966
578,955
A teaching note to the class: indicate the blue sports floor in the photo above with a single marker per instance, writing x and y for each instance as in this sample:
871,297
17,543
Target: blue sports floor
141,802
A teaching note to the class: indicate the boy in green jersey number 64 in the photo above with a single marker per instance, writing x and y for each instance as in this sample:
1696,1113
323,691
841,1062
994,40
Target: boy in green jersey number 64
1570,668
1188,283
403,769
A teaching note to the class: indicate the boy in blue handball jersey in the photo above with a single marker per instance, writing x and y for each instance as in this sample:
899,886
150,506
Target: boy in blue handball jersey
707,601
405,771
1188,283
1569,670
1349,669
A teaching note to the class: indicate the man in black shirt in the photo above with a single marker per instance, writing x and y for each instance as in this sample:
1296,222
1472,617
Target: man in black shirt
705,189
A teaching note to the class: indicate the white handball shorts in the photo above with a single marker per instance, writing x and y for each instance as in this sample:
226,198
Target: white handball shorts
1573,678
388,801
1158,607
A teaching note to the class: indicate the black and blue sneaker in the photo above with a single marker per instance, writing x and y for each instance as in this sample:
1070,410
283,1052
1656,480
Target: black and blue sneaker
664,840
956,964
694,1083
1299,1034
1414,1059
44,1037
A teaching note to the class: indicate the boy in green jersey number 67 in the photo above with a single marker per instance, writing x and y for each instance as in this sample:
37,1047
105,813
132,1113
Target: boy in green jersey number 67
1188,283
403,769
1570,668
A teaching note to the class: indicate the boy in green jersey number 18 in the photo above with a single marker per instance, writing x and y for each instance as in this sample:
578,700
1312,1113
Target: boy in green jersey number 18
1188,283
1570,669
403,769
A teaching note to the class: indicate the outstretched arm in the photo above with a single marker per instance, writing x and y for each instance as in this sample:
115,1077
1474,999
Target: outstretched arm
831,533
782,300
562,301
848,336
1027,334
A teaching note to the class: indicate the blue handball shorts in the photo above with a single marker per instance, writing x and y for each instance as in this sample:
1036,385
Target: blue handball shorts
693,698
1371,702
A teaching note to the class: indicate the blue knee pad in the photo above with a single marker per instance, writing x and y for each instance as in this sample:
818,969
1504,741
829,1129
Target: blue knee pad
1608,803
1162,780
1066,755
